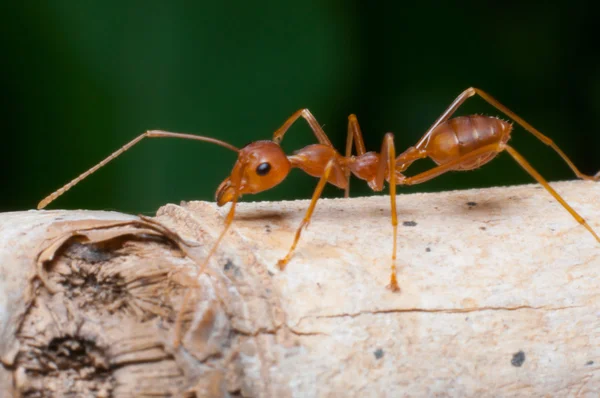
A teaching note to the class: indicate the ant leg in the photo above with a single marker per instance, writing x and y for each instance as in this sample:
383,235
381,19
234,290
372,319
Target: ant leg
458,101
419,151
312,123
202,268
470,92
492,101
151,134
354,135
524,164
389,150
436,171
318,190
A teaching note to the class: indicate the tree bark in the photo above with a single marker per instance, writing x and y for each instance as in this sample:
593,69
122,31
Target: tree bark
499,297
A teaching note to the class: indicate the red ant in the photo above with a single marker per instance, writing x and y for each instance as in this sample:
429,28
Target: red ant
461,143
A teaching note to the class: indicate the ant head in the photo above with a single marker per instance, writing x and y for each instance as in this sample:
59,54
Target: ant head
260,166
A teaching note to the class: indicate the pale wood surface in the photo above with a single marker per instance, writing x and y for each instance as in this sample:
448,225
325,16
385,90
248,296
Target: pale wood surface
500,297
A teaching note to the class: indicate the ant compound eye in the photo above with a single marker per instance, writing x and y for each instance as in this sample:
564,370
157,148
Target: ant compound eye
263,169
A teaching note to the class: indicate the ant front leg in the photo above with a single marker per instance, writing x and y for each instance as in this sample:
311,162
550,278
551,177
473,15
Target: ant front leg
306,220
312,123
236,182
354,136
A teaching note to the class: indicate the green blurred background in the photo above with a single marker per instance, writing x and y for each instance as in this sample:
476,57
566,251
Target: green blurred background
80,79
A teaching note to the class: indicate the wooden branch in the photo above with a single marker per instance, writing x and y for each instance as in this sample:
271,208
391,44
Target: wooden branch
499,297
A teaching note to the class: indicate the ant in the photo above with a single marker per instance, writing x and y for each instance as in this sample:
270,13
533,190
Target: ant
460,143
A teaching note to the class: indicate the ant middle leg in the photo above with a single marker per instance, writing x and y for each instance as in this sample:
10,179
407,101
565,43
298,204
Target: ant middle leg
355,138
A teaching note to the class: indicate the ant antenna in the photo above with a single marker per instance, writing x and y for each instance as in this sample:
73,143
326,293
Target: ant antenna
150,133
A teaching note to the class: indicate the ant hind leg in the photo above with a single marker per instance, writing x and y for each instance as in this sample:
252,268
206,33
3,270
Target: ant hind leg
546,140
524,164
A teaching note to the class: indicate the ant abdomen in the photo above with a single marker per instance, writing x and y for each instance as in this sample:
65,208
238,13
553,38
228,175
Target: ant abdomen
462,135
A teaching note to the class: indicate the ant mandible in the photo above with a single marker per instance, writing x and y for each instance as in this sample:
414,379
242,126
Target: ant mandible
460,143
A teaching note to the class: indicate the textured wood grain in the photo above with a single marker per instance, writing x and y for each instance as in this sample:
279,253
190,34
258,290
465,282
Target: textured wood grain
499,297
